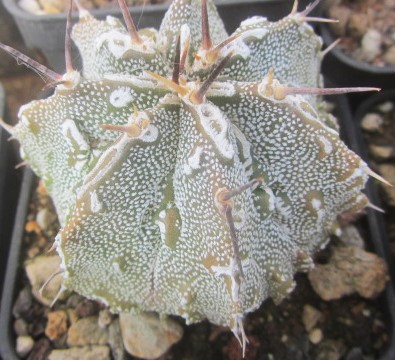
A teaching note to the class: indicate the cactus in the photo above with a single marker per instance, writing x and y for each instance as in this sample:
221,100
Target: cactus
193,172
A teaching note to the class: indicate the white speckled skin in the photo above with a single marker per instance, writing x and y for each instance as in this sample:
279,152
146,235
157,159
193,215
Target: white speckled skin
142,225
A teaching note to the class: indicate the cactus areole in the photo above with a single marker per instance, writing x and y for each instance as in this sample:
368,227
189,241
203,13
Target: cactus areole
193,172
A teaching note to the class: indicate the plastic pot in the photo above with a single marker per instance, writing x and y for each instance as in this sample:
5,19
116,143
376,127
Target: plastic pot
13,273
9,189
377,242
345,71
351,133
46,32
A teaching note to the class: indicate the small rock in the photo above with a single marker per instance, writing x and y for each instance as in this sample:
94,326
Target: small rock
341,13
115,340
99,352
349,270
33,252
350,236
42,242
371,44
56,325
52,6
146,336
45,218
31,6
24,344
36,321
372,122
389,56
330,350
38,270
310,317
87,308
381,152
357,24
72,315
73,300
86,331
386,107
40,350
23,303
315,336
388,172
355,354
105,318
60,343
20,327
32,226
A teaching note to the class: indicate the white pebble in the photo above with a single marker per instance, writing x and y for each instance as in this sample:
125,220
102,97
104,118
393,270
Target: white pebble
24,344
315,336
386,107
372,122
371,44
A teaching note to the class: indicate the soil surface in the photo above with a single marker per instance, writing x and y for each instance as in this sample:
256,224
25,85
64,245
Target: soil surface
366,29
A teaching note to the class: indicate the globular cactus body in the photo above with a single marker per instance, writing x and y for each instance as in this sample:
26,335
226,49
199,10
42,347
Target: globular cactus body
225,180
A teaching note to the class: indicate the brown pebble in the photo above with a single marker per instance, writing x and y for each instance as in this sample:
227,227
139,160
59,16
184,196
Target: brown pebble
86,331
56,325
357,25
87,308
372,122
41,189
73,317
32,226
381,152
42,242
23,303
33,252
40,350
341,13
20,327
310,317
105,318
349,270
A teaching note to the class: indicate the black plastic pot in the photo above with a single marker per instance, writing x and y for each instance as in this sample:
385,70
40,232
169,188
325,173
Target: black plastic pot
9,189
351,133
46,32
345,71
377,243
13,274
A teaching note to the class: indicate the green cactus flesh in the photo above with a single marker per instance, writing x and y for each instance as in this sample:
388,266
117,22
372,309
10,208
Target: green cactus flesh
219,187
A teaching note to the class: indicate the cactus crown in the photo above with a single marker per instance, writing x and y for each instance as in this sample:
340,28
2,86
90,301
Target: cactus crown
193,172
